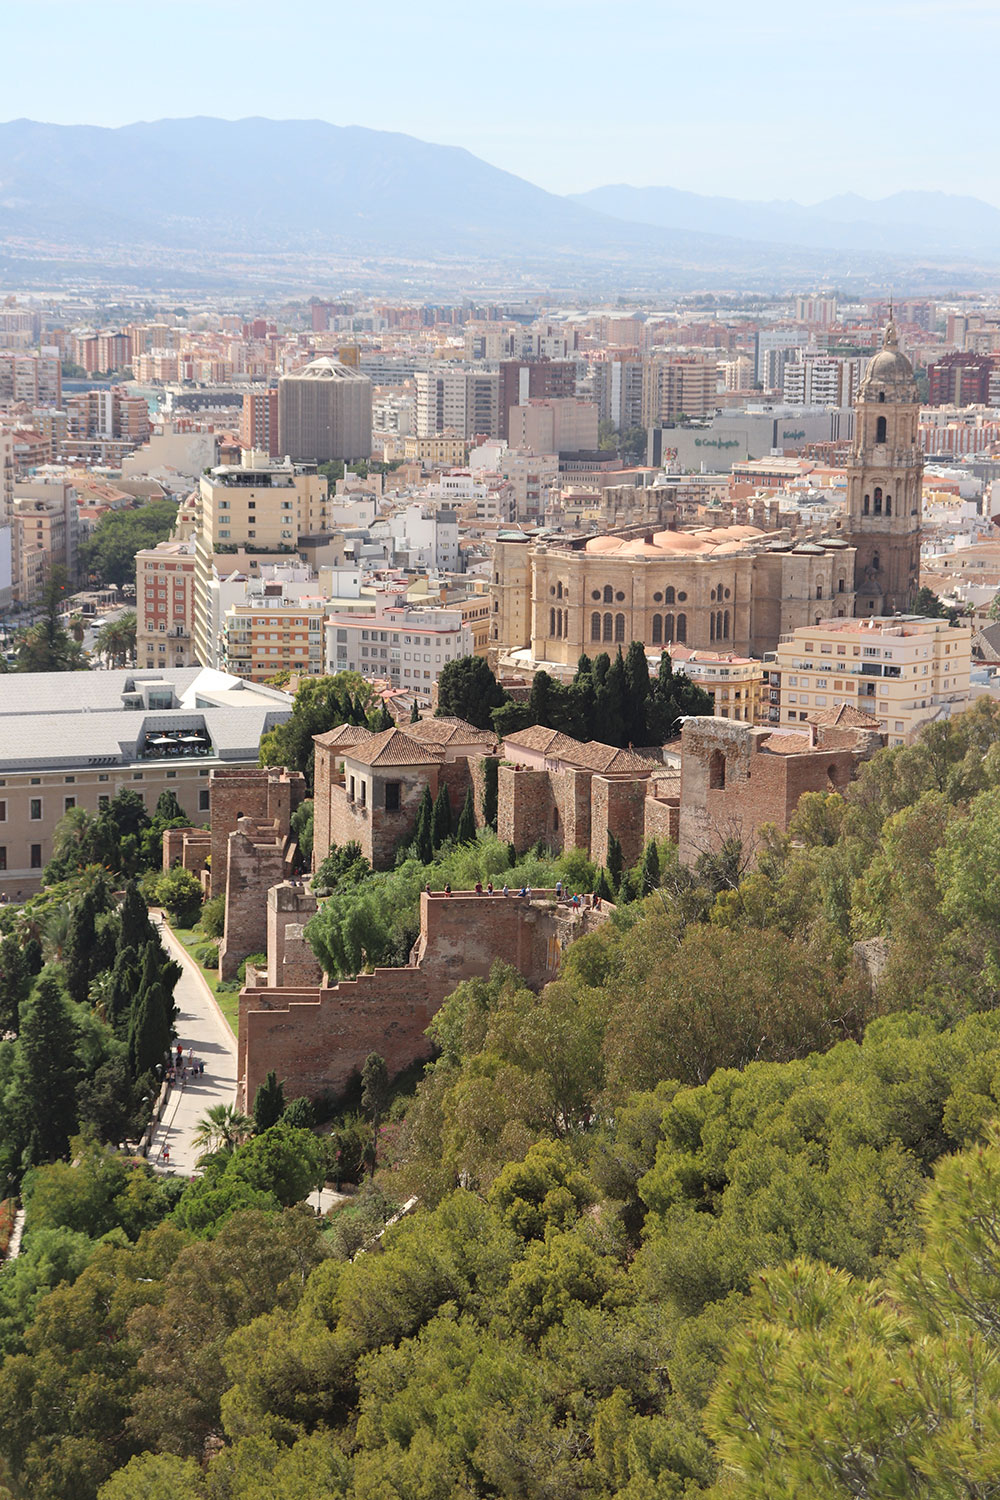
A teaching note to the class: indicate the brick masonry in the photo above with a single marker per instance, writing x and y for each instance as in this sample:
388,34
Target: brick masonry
316,1038
732,784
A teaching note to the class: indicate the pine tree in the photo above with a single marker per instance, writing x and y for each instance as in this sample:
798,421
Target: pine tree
46,1071
441,819
466,830
649,873
14,979
269,1103
616,860
422,842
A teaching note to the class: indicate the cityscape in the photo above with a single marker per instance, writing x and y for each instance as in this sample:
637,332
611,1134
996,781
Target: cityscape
499,759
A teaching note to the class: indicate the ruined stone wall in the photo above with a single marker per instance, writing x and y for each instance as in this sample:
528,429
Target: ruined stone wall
290,960
250,793
759,787
524,801
317,1039
255,861
662,818
187,847
618,806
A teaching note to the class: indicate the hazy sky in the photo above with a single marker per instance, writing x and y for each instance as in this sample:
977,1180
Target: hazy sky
787,98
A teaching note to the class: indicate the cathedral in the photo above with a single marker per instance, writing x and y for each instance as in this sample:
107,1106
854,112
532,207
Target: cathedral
884,478
735,588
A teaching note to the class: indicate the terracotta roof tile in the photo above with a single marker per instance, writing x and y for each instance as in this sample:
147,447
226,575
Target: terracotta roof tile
788,744
843,716
394,748
344,734
537,737
447,730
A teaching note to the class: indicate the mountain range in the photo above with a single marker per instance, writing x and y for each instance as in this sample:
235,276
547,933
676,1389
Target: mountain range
249,193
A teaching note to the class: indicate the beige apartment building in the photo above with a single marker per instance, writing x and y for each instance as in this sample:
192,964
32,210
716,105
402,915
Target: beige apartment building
261,505
150,731
676,385
447,450
263,636
735,684
164,605
904,670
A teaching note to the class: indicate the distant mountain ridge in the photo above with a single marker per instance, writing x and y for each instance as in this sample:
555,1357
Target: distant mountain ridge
284,201
915,223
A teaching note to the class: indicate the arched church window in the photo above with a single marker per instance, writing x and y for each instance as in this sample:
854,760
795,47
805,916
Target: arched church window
682,628
668,596
819,591
866,504
725,626
619,627
609,593
876,562
711,627
595,626
607,627
657,630
888,505
881,395
880,430
878,500
552,622
668,629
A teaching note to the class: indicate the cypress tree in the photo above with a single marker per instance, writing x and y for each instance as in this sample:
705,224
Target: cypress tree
649,874
383,720
46,1071
616,860
269,1103
422,832
610,703
441,817
491,781
636,694
136,928
80,942
466,831
14,978
602,886
122,987
414,713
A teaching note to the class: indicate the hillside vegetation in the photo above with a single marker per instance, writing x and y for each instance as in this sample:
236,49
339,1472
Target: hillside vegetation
714,1213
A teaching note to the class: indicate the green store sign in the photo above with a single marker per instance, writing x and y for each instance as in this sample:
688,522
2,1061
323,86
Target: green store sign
795,436
717,443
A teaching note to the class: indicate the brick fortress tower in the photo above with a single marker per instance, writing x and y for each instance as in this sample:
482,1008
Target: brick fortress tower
884,478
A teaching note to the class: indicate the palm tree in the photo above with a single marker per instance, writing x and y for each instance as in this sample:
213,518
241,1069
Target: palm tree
55,931
116,640
77,628
223,1128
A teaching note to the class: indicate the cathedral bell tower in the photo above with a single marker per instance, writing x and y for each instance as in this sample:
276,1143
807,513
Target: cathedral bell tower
884,476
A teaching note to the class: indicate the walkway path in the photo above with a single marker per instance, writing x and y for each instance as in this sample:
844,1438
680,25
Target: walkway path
201,1026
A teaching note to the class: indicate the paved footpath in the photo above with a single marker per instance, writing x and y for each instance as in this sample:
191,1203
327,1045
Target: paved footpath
201,1025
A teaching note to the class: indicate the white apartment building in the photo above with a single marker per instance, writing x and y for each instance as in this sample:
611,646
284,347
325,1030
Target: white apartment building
407,647
822,379
457,399
425,536
904,670
532,475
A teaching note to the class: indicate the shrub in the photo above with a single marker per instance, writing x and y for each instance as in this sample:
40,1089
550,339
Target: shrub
213,917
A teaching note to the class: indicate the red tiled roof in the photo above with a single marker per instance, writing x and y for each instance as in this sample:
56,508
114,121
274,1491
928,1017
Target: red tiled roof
344,734
394,748
844,716
447,731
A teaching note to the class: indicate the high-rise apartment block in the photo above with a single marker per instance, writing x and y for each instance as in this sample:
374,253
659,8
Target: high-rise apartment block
107,414
960,379
524,380
31,377
457,399
259,420
325,413
618,392
264,507
816,310
164,605
678,385
822,379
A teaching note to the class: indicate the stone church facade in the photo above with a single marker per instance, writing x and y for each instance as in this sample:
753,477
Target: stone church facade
737,587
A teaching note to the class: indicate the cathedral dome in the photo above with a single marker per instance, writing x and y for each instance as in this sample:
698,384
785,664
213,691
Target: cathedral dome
889,371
